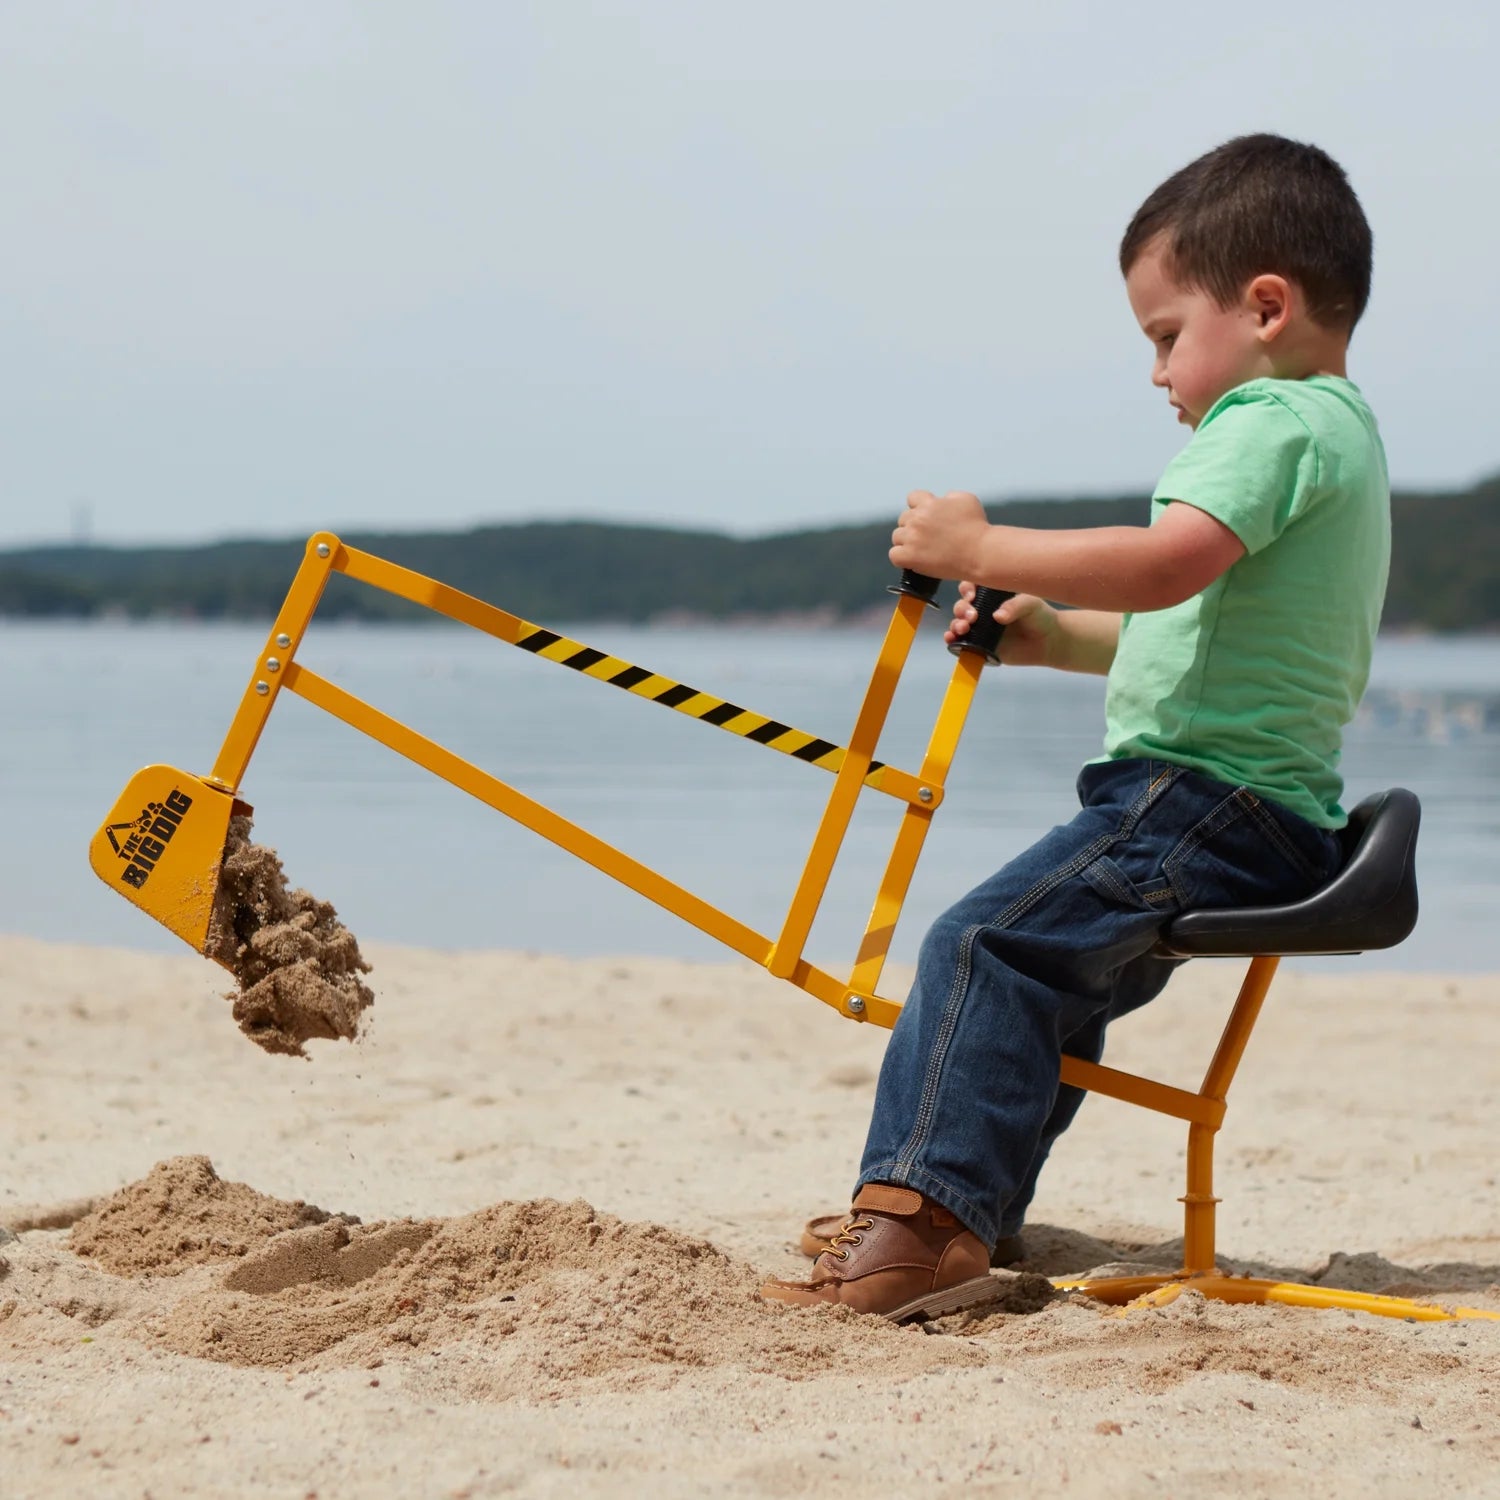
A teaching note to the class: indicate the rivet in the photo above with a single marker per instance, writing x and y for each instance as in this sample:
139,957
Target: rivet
283,641
322,549
856,1006
263,688
272,665
924,794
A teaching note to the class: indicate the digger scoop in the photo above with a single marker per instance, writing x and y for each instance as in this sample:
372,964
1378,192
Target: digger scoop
162,847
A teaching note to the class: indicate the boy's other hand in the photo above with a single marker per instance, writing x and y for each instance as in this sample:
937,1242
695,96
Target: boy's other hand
939,537
1031,631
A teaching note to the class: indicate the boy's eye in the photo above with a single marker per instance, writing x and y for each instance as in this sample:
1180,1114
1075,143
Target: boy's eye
1166,341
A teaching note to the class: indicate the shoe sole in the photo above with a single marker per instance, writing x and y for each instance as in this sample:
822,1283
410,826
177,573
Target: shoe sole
960,1298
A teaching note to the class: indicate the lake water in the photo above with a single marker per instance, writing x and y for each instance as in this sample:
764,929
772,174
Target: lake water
407,858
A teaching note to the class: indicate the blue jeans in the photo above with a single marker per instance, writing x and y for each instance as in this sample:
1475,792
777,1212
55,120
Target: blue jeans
1036,962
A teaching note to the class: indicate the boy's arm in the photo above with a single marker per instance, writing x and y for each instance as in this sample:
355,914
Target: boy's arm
1088,641
1121,569
1036,635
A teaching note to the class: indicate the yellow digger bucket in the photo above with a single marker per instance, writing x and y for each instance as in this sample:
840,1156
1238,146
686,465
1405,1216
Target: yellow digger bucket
161,847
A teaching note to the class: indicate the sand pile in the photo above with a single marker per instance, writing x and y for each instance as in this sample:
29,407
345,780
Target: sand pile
530,1296
182,1214
297,965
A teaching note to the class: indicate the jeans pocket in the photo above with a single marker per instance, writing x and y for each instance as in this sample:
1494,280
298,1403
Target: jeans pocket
1242,854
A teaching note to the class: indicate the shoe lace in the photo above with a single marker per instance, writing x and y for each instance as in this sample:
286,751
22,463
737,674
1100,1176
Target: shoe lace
849,1234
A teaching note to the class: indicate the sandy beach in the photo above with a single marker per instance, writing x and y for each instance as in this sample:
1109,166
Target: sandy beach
507,1243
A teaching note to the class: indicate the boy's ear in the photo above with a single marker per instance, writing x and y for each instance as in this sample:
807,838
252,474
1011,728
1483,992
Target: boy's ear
1269,299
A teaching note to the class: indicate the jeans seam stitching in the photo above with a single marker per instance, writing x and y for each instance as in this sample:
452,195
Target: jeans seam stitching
927,1104
1273,830
1048,883
1081,861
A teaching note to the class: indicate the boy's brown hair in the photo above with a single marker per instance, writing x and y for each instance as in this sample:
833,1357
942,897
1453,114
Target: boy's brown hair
1257,205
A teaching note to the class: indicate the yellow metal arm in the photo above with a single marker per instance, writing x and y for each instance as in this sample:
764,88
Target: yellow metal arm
853,767
550,825
548,645
324,554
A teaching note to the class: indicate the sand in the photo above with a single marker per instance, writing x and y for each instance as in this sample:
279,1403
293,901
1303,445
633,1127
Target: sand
182,1214
297,966
508,1244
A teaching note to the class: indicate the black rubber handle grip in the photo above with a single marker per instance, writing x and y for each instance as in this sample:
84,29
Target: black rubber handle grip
984,633
916,586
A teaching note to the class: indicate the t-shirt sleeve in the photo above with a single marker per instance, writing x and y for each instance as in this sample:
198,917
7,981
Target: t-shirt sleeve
1252,464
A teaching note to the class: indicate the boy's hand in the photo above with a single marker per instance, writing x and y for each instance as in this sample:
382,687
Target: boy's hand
1031,630
940,538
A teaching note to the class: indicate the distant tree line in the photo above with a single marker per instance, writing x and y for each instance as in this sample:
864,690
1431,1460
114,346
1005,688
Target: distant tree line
1445,570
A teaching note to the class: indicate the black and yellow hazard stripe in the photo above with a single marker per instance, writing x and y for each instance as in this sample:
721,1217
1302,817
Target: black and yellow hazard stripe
696,704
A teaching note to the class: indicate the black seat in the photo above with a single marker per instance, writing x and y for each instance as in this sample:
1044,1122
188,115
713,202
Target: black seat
1370,903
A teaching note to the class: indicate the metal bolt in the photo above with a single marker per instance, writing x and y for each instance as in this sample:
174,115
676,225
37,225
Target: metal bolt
283,641
272,665
263,688
322,549
924,794
856,1006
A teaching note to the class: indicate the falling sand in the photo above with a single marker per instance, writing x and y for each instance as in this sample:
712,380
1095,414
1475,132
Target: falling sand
297,965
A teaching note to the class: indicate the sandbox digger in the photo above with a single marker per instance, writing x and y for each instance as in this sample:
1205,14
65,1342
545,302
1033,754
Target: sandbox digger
162,847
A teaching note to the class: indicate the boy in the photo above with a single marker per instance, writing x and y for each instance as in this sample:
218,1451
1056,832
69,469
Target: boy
1236,633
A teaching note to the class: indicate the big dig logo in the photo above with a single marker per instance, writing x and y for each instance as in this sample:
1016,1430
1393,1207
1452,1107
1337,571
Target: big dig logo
142,842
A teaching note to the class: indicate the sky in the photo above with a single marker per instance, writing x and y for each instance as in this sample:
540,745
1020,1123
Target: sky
274,267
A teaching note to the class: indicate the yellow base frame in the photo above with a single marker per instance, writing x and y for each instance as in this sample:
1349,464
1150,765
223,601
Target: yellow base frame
162,843
1204,1113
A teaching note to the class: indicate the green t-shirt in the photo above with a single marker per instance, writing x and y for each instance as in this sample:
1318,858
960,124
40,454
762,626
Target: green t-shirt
1252,680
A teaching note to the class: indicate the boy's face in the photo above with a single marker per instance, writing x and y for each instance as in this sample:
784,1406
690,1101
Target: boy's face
1202,349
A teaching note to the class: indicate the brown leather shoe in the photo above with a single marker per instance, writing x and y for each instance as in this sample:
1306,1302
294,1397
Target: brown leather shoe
818,1233
897,1255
